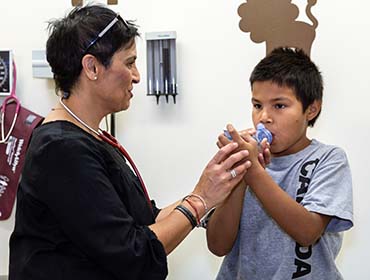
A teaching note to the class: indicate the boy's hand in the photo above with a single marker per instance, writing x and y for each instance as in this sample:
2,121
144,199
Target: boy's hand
264,154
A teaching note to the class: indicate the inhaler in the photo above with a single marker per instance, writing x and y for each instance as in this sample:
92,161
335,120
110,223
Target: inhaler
261,133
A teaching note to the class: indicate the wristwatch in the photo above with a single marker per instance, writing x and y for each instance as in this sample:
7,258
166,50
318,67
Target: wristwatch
204,221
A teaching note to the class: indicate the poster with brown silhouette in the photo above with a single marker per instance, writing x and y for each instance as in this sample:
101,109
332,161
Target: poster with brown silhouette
274,22
80,2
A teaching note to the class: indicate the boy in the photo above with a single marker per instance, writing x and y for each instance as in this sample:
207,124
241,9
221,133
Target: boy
288,222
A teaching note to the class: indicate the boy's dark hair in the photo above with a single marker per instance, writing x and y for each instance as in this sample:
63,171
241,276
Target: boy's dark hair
294,69
71,36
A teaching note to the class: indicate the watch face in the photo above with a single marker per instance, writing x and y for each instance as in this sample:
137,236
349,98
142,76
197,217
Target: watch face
4,72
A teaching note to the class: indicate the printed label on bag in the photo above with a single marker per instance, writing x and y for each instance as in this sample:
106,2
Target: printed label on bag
3,184
13,151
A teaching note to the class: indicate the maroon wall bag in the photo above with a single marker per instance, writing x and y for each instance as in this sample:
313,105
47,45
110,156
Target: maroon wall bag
16,125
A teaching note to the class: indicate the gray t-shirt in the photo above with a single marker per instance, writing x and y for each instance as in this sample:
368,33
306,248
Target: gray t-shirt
319,178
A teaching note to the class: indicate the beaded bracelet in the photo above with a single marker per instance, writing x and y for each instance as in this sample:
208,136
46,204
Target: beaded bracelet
187,213
200,198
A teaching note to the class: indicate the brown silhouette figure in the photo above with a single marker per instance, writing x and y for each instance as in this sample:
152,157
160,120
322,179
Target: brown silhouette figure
273,21
80,2
77,2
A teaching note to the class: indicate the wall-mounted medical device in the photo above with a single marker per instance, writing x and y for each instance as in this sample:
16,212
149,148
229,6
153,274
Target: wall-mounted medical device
161,64
40,66
6,72
81,2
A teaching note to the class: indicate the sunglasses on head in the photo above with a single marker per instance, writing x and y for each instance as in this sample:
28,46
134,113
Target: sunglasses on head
105,30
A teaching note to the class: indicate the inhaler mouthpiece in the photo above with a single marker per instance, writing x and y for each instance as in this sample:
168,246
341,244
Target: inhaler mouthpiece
263,132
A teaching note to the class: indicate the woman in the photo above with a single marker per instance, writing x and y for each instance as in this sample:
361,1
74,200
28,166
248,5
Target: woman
82,213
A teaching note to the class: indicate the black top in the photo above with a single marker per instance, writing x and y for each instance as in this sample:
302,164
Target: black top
81,213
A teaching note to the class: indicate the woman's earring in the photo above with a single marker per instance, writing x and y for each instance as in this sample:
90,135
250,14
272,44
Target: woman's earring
95,78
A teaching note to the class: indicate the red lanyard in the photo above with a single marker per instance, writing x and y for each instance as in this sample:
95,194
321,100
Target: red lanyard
106,137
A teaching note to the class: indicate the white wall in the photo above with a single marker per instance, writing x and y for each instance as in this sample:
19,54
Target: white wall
172,143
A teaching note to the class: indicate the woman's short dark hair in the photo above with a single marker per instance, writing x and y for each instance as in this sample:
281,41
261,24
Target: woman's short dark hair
294,69
71,36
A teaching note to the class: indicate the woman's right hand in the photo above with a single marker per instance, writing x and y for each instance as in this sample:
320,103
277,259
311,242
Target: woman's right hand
218,179
214,186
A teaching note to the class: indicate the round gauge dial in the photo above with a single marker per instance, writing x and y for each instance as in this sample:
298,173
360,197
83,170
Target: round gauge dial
4,75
